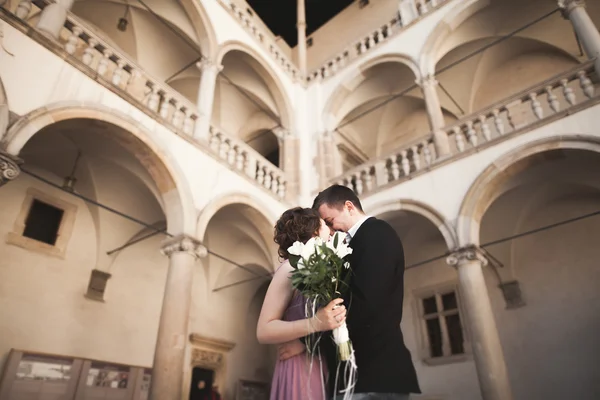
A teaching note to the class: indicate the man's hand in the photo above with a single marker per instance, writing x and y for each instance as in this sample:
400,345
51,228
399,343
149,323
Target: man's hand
290,349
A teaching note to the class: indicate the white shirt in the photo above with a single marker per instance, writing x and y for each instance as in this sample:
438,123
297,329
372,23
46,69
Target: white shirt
352,231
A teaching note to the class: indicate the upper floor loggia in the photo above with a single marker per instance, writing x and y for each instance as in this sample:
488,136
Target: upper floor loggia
411,73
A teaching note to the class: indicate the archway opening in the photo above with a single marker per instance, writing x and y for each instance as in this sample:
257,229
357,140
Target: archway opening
237,285
433,322
384,110
111,167
551,275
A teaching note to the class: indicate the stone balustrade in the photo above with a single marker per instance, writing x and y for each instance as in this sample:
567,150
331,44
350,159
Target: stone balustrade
264,38
90,53
541,104
373,39
248,161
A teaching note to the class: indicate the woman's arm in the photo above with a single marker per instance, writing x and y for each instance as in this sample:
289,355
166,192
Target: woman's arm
272,329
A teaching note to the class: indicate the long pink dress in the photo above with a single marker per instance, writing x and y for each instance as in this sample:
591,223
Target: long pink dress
294,378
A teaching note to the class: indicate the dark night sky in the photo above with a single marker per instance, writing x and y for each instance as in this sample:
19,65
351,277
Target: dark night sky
280,15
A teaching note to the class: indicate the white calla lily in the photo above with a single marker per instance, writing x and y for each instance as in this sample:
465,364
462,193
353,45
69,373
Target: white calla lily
296,248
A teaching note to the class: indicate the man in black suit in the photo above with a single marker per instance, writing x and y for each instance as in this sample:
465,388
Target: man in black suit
385,368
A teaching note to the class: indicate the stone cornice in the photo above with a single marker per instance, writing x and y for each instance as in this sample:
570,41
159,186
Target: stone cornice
211,343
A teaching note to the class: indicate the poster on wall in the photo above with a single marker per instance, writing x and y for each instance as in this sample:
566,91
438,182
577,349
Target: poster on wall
250,390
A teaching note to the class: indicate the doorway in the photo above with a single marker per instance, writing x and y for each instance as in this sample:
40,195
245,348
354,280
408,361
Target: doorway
202,382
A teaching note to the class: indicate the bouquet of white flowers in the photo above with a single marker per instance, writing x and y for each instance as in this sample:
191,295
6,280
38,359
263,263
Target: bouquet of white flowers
320,274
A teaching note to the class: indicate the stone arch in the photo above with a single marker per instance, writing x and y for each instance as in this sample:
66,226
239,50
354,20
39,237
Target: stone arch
203,26
429,213
351,82
270,77
455,17
4,110
486,188
143,144
227,199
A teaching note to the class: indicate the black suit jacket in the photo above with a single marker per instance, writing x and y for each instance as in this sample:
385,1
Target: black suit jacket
374,306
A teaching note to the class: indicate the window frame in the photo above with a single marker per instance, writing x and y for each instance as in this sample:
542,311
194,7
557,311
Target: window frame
438,291
65,229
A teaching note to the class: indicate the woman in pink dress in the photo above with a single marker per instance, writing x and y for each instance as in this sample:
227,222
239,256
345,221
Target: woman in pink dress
282,319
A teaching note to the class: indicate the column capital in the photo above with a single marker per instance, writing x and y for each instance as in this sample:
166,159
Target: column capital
206,64
281,132
9,167
569,5
468,253
427,81
183,244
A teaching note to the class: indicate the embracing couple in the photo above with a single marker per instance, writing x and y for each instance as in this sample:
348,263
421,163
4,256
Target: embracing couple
373,305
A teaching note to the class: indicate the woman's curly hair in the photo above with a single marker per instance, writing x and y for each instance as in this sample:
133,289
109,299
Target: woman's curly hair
296,224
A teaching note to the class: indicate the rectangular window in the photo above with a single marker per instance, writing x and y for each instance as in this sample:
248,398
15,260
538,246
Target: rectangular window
42,222
442,324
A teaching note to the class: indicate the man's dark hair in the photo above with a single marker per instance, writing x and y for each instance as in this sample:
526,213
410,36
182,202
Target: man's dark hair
335,196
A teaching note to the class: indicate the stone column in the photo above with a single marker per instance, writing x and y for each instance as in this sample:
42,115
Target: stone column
53,17
408,11
289,160
9,167
206,96
587,32
434,112
326,159
301,26
487,349
169,355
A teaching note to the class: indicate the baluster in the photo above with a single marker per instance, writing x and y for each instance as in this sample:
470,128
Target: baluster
368,179
405,162
460,140
223,147
416,157
177,117
426,152
498,122
260,175
154,99
73,40
568,92
586,84
188,123
239,160
423,7
267,181
395,168
213,142
118,72
164,107
371,41
275,183
485,129
23,9
536,106
231,154
390,28
379,35
88,53
103,64
471,134
363,46
552,99
281,187
359,183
